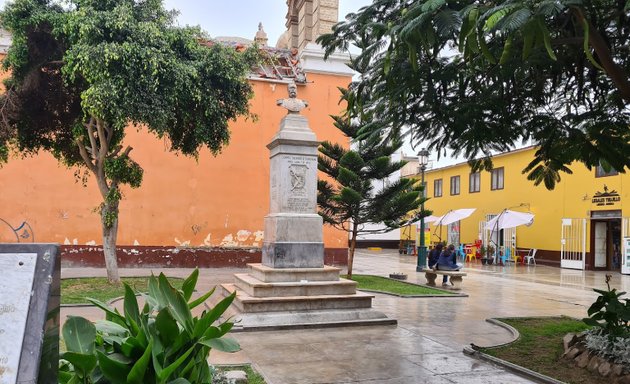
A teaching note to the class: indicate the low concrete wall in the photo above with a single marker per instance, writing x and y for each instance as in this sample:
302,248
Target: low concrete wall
73,256
550,258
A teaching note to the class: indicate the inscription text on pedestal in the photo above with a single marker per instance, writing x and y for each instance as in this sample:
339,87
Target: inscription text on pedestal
301,171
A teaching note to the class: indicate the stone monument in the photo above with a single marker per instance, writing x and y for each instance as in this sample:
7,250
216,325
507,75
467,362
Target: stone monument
292,287
293,229
29,313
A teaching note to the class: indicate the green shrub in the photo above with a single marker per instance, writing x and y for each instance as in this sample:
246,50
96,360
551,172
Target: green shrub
163,343
609,313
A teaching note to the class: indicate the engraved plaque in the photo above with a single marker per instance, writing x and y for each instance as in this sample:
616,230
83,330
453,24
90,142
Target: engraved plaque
301,188
15,294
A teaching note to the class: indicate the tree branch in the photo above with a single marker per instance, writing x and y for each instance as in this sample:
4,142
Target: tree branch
618,76
115,152
102,138
85,156
126,151
90,130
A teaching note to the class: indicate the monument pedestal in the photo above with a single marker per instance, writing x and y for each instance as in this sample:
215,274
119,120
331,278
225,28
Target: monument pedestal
281,298
293,240
292,287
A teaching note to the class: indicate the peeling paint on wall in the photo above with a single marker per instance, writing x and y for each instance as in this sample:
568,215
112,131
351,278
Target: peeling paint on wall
184,243
258,237
243,238
228,241
207,242
92,242
242,235
73,242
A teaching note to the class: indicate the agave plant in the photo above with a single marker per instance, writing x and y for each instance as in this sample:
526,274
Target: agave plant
162,343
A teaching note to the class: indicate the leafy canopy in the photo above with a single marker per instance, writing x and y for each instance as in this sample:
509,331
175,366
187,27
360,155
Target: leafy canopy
473,78
120,62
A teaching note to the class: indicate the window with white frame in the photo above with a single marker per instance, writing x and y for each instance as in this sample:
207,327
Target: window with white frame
496,179
437,188
455,185
474,182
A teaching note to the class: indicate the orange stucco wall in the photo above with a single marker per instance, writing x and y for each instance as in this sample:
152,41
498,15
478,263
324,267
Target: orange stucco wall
209,202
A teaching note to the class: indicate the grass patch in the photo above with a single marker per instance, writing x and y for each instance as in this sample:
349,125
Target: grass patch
75,291
540,348
378,283
253,377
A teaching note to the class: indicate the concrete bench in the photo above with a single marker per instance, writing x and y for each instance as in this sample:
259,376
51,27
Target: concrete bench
456,277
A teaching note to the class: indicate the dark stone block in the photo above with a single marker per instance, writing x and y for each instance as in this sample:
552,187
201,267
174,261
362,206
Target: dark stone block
39,355
293,255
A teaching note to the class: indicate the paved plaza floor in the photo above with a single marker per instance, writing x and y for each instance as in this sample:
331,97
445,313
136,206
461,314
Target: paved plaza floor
426,345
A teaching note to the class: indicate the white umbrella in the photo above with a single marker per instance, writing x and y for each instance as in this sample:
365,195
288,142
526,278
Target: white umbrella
452,216
509,219
430,219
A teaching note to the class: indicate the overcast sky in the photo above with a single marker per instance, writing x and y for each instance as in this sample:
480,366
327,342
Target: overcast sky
240,17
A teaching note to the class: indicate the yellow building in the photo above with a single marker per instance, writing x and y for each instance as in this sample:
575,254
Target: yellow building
581,224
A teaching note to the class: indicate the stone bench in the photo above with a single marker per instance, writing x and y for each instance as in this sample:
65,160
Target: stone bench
456,277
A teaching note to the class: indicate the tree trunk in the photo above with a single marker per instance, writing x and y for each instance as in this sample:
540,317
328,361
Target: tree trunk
353,245
94,149
110,233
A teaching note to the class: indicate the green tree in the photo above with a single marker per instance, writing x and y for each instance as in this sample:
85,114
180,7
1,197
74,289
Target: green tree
85,72
359,191
473,77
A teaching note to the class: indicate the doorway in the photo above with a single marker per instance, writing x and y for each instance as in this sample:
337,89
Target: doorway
605,244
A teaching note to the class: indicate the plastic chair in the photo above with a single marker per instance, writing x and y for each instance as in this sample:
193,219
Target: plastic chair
461,255
516,257
531,256
506,255
469,252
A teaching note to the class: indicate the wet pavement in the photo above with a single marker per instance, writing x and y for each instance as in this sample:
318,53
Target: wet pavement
426,345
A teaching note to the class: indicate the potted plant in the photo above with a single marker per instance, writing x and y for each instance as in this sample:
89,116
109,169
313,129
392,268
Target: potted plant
487,253
398,276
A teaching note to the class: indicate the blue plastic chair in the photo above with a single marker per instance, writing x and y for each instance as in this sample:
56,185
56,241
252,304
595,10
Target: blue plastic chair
507,255
460,253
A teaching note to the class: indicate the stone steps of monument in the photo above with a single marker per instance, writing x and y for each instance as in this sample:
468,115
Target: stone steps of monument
267,321
256,288
275,275
249,304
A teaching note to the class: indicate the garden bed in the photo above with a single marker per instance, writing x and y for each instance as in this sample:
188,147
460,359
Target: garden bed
77,290
397,287
540,348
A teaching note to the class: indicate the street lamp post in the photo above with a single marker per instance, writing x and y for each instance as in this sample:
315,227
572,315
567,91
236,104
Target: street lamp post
423,160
